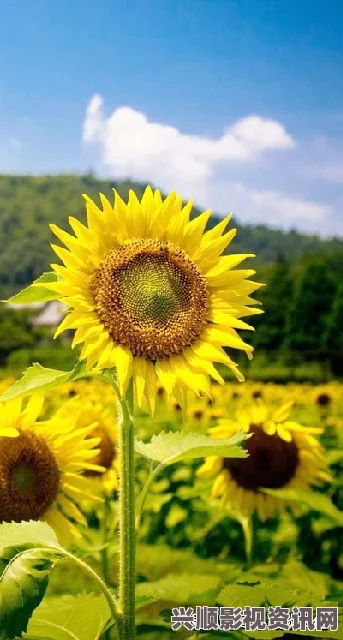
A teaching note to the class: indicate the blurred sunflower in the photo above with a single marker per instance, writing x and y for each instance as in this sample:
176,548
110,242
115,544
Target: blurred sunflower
40,470
104,429
150,294
282,454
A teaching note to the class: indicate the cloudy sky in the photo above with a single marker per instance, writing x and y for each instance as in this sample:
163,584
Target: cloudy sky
236,104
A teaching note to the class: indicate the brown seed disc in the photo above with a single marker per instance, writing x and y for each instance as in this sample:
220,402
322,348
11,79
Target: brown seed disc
106,454
271,464
29,477
151,298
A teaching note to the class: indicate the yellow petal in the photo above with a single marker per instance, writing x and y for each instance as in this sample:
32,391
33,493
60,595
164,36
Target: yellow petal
9,432
139,372
218,485
34,408
228,262
282,413
166,375
94,214
150,387
124,359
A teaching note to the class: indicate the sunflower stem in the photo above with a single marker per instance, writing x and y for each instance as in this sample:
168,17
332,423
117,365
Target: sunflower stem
127,540
248,531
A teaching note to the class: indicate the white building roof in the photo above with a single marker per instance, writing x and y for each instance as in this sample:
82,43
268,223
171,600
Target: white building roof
51,315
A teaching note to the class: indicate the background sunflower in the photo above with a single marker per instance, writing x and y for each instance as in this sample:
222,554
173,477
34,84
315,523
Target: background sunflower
282,454
86,411
41,470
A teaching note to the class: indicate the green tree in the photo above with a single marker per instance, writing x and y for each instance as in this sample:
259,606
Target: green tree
29,203
311,306
333,335
275,297
15,331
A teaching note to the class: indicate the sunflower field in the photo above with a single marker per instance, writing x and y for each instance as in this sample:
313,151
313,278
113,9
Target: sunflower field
151,491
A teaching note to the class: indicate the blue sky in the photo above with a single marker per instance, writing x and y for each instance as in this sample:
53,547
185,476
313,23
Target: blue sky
236,104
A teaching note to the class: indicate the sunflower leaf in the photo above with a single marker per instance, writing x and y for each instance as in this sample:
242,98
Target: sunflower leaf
183,588
34,293
144,595
254,591
32,531
37,379
311,500
83,617
28,551
167,448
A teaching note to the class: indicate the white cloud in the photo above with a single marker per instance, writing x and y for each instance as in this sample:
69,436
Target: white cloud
271,207
282,210
131,145
224,173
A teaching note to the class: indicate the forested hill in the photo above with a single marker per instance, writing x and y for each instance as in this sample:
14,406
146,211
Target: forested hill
29,203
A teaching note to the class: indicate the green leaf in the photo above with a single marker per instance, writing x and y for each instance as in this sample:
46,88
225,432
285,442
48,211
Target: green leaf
260,594
35,292
167,448
299,576
312,500
28,551
83,617
155,561
144,595
333,457
155,501
176,515
37,379
16,533
184,588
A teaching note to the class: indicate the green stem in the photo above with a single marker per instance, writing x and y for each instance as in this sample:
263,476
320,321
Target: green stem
247,526
142,497
102,586
127,541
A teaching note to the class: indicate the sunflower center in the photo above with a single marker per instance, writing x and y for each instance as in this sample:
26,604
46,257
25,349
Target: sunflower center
24,478
323,400
151,298
29,478
271,464
152,289
106,453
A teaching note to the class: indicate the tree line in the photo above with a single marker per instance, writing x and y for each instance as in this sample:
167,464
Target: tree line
29,203
303,308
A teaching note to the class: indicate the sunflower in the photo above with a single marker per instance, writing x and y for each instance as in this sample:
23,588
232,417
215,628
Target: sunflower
104,428
40,470
282,454
149,293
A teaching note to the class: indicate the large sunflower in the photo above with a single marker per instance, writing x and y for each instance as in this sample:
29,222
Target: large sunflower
150,294
40,471
282,454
